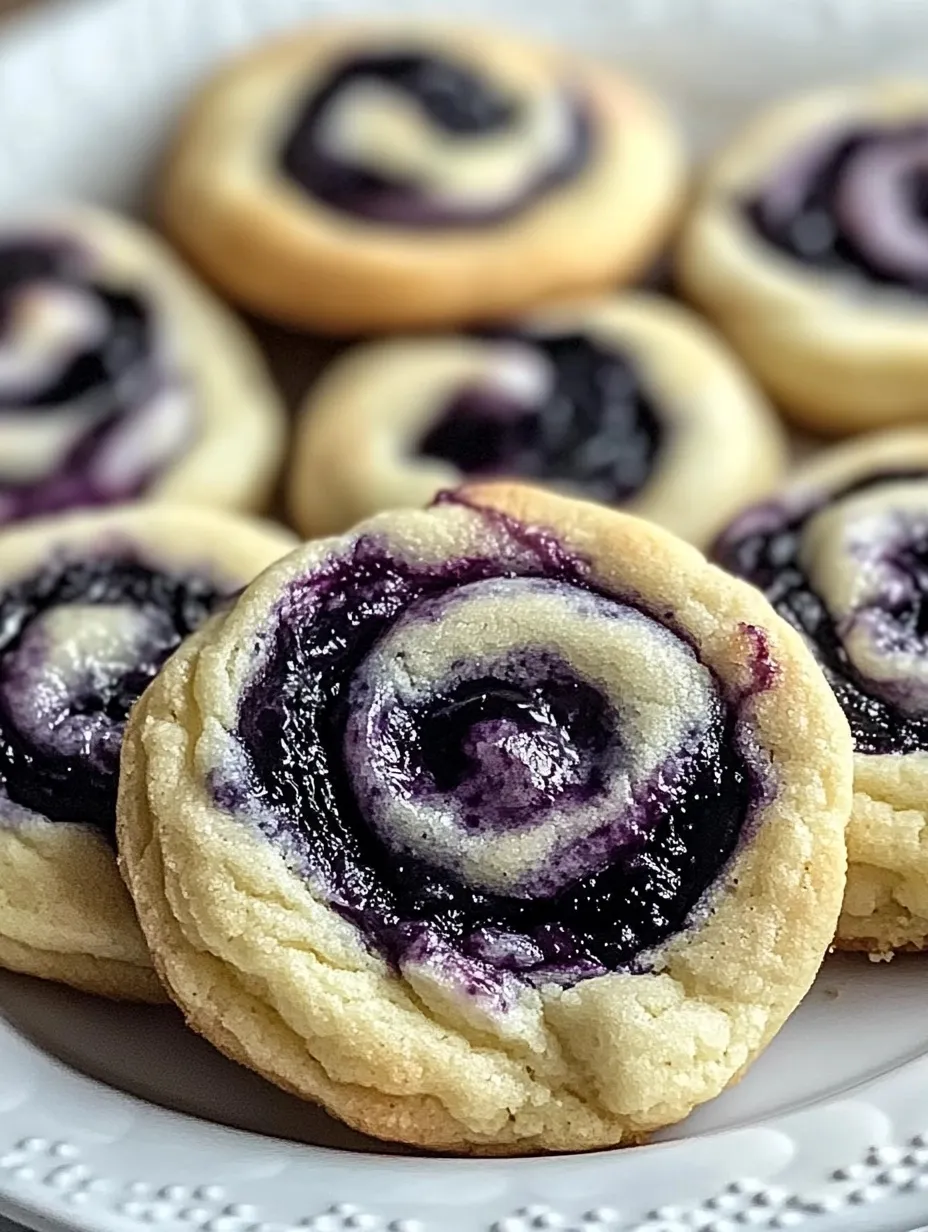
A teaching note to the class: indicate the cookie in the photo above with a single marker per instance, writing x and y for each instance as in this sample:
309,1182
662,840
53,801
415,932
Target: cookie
628,400
808,245
841,553
367,176
121,377
507,826
90,606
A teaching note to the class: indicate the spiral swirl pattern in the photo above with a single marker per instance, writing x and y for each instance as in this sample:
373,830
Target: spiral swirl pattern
415,139
854,198
92,408
850,571
79,642
479,757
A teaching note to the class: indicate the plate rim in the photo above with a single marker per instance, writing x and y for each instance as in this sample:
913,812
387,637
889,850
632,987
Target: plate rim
86,1180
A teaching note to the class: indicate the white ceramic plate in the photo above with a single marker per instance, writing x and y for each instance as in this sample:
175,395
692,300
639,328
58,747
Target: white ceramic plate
114,1118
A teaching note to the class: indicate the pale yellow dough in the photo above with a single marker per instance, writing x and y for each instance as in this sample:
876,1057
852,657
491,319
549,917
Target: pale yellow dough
282,983
272,247
64,911
360,425
838,358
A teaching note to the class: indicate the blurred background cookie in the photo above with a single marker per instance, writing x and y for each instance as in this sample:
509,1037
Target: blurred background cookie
90,607
808,244
121,377
380,176
629,400
842,553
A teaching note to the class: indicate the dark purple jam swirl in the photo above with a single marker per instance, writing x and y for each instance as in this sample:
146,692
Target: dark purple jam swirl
459,104
763,546
103,382
597,429
79,642
497,740
854,200
505,747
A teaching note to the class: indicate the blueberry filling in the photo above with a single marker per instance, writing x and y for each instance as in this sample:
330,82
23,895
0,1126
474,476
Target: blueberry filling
79,642
506,749
764,548
98,371
597,429
103,380
854,201
502,745
455,99
459,104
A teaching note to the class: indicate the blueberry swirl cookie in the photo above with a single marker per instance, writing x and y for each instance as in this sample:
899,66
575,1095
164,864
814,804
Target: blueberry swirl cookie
121,377
809,246
842,553
628,400
362,177
507,826
90,607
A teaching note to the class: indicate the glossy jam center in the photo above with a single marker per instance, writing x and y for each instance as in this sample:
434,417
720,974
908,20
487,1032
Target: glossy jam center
507,751
596,430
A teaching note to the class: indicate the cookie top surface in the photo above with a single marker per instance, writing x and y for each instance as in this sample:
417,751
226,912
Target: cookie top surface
91,606
414,135
807,243
86,360
509,753
853,199
417,173
819,204
593,427
622,399
841,553
501,781
120,378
